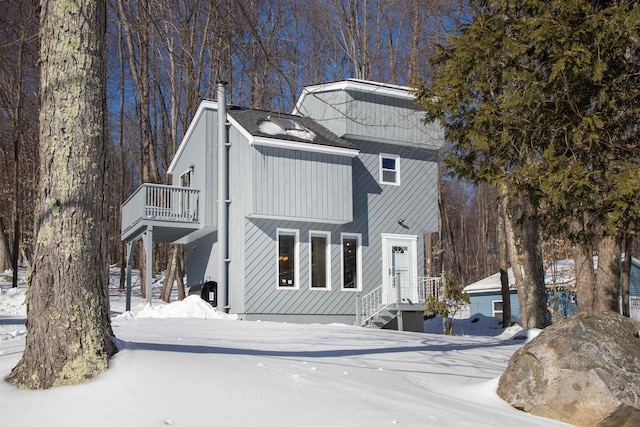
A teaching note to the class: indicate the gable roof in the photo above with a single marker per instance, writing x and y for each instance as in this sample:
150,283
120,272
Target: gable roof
249,121
491,283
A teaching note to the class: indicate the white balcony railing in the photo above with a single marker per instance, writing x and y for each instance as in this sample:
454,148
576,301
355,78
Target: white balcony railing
162,203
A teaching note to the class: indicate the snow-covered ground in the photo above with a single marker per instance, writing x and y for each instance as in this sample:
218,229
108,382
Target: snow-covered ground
185,364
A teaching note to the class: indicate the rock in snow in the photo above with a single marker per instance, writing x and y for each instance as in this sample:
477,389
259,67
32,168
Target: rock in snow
580,371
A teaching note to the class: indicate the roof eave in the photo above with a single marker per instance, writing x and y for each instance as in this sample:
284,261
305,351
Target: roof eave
303,146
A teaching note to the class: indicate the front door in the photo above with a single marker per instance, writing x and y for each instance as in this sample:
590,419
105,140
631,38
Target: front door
399,266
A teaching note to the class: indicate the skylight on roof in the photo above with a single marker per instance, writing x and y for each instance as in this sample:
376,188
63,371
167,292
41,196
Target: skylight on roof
287,124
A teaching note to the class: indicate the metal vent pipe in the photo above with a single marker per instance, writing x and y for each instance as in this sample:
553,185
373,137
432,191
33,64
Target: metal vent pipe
223,199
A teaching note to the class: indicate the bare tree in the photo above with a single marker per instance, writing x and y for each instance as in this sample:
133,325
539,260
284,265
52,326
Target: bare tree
18,109
69,337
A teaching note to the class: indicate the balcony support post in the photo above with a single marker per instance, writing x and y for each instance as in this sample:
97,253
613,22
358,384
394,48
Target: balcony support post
147,240
129,260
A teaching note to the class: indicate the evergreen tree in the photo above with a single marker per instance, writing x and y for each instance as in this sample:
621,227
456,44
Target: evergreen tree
542,96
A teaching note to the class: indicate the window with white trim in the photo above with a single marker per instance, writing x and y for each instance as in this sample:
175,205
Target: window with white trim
288,259
186,201
496,308
389,169
320,259
351,261
185,178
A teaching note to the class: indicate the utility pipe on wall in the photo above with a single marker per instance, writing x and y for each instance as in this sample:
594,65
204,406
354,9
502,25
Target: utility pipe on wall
223,199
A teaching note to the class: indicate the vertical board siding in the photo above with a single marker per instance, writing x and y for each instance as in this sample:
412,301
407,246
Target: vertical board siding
201,259
301,185
200,152
241,170
389,118
369,115
211,219
329,109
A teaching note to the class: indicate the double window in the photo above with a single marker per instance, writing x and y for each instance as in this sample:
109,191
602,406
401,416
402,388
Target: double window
389,169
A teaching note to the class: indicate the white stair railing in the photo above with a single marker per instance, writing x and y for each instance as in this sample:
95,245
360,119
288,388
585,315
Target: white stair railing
373,303
369,305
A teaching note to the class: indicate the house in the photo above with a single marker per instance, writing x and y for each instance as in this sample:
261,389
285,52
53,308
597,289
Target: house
322,212
486,298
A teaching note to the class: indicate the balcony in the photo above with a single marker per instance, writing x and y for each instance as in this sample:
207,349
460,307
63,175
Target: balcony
172,212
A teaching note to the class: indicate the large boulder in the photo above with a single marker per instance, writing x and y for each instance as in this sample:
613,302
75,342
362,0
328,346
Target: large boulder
580,370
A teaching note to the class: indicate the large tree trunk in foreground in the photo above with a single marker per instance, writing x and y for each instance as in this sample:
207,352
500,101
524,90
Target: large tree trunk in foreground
68,329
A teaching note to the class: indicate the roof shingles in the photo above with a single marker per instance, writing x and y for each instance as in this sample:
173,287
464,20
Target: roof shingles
251,120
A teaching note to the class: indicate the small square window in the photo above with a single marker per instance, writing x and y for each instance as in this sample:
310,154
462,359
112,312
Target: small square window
389,169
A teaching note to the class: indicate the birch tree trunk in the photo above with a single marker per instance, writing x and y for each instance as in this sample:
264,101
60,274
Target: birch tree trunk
68,330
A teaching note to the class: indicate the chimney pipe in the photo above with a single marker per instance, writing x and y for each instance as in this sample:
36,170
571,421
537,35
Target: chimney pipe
223,199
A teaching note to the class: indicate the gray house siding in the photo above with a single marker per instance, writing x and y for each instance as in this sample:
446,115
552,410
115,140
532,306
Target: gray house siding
301,185
273,187
201,259
376,117
203,157
377,209
240,193
328,109
371,115
262,295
